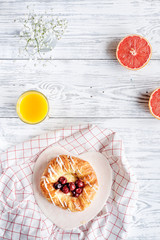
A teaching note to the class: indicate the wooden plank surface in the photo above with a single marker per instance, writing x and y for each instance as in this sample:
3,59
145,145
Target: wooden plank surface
94,27
141,141
81,88
147,216
85,84
91,38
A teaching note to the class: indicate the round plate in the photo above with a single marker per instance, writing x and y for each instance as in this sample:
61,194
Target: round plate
63,218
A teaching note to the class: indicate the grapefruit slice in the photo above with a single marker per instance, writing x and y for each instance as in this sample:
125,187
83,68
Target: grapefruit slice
134,52
154,103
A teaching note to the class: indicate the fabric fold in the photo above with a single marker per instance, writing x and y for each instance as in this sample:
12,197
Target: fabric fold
21,217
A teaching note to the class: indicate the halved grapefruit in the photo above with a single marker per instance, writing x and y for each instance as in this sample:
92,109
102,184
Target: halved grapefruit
154,103
134,52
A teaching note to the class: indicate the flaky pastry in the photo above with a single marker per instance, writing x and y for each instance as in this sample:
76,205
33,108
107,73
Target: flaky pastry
69,182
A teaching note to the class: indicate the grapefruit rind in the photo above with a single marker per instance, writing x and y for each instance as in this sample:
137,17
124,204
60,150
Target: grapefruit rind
149,103
134,69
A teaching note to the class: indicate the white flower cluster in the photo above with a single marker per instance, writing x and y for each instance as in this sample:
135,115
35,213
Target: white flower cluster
39,32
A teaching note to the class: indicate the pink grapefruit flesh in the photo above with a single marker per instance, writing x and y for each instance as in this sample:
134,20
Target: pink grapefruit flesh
133,52
154,103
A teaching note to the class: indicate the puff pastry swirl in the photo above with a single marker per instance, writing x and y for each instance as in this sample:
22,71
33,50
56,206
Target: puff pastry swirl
71,168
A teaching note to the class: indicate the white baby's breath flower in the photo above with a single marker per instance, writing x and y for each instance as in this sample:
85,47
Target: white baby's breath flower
32,35
21,33
39,31
50,31
35,20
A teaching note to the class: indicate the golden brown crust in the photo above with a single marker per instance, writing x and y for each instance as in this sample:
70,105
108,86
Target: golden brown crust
72,168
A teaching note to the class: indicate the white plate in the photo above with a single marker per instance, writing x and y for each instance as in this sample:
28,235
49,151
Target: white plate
63,218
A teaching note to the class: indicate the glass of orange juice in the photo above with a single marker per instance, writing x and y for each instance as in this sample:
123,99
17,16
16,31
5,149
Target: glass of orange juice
32,107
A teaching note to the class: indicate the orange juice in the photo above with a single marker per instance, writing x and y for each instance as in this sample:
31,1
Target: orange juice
32,107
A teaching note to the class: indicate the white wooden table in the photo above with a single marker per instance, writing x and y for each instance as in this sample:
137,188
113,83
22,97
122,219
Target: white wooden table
85,84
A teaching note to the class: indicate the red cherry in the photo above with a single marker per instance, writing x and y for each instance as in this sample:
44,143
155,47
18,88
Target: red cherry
57,185
71,186
62,180
79,183
65,189
75,194
79,190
